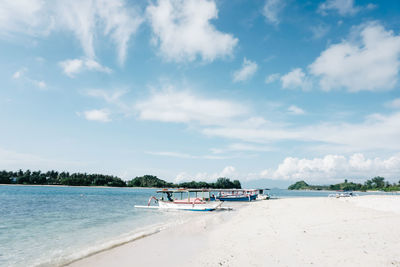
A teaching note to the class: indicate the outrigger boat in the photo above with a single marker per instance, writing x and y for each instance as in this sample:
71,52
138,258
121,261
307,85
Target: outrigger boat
170,200
234,194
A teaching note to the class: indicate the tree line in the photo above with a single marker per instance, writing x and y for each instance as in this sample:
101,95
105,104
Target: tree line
376,183
83,179
153,181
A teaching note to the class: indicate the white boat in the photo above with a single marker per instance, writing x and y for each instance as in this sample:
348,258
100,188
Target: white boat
186,202
343,194
262,195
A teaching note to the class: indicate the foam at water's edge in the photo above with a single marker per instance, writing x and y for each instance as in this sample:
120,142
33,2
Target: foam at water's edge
126,238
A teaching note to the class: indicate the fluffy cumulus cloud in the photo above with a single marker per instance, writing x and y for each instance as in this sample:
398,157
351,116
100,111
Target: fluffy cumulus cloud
246,72
170,105
371,46
343,7
374,48
272,10
71,67
85,19
296,79
329,168
101,115
183,31
336,167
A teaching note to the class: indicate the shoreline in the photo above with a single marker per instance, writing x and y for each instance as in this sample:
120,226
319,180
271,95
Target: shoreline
313,229
156,188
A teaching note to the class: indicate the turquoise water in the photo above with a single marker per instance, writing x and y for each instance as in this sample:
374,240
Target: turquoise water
52,225
42,225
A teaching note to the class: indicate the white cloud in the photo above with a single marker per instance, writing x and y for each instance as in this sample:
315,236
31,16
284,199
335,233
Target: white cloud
363,136
181,155
71,67
395,103
21,75
337,167
14,160
343,7
113,96
377,52
371,6
183,106
296,79
18,74
86,19
101,115
121,22
24,16
296,110
319,31
271,10
272,78
41,84
242,147
228,172
246,72
171,154
183,31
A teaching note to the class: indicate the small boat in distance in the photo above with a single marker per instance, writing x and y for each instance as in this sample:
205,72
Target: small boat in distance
183,199
343,194
262,195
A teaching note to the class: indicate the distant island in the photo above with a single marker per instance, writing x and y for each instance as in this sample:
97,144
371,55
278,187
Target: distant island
374,184
83,179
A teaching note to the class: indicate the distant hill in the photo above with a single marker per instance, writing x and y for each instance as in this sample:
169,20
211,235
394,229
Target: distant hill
376,183
149,181
300,185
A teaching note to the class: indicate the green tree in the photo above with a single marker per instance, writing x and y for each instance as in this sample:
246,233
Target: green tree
378,182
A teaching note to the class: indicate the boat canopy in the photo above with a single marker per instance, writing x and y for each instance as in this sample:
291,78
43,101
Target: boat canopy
186,190
183,190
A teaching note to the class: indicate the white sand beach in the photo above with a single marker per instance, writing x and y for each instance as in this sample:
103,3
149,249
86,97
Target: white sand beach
359,231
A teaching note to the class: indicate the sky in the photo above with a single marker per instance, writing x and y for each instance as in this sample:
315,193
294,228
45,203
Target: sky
266,91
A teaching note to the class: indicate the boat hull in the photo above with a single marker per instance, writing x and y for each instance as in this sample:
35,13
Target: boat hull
236,198
189,206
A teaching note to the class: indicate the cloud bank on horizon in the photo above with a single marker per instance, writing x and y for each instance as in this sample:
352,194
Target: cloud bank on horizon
200,89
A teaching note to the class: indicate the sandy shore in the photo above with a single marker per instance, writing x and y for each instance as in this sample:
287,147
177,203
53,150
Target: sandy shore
359,231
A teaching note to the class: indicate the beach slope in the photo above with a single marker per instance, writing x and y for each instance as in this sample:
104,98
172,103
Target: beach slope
359,231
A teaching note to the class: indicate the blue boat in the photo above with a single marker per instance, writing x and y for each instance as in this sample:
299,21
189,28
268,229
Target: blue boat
235,195
237,198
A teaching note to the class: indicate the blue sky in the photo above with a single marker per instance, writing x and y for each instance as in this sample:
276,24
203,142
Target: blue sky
267,92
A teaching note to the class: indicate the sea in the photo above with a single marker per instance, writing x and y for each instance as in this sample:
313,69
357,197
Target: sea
56,225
